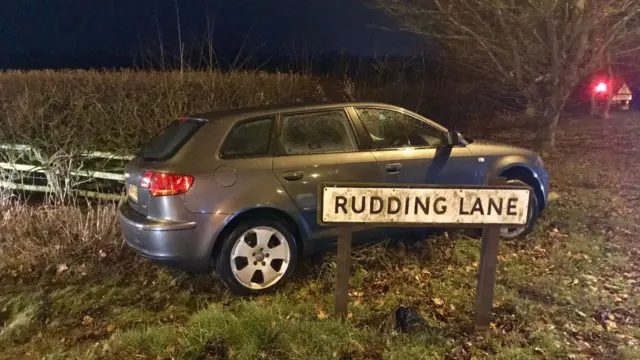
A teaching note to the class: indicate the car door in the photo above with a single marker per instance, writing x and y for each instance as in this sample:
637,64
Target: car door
410,150
316,146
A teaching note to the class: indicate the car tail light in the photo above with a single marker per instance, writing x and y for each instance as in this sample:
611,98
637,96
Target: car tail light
164,184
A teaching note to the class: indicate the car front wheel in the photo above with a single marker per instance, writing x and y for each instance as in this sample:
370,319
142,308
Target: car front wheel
534,212
257,257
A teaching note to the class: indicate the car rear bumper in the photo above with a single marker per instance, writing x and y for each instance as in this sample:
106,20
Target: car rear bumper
182,245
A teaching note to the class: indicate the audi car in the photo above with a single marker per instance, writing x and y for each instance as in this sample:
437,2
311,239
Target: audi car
236,191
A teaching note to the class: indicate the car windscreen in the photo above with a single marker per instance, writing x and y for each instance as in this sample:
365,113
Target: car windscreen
170,139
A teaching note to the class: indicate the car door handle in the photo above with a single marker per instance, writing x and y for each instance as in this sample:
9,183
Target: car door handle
293,175
393,168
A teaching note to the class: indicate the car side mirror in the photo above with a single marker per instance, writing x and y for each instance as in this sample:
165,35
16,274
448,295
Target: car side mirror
453,138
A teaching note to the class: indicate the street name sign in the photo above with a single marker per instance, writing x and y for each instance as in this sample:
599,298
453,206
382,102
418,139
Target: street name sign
490,207
421,205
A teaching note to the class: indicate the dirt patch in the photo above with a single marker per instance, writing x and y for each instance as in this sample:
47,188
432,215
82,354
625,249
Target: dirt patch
214,350
533,294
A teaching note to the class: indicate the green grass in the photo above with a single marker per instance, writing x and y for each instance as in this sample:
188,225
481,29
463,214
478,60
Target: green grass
569,291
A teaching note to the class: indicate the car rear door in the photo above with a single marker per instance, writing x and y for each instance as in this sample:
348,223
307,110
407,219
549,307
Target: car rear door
316,146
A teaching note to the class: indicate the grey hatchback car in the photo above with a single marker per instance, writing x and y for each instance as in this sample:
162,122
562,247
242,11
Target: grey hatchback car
236,190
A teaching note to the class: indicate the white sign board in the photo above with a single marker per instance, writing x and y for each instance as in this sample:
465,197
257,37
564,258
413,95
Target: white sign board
481,205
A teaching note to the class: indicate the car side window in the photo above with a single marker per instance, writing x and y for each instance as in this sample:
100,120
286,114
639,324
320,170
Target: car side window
390,129
248,139
316,133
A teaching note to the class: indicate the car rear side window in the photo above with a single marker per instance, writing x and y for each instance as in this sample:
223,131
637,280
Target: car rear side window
316,133
247,139
170,139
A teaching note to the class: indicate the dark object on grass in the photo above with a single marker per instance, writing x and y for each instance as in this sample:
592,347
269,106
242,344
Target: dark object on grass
403,319
408,320
215,349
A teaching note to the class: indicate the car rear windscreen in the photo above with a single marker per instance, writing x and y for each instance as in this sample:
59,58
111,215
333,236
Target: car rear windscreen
170,139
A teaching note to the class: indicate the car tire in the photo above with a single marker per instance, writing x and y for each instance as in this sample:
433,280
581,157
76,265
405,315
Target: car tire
534,214
252,256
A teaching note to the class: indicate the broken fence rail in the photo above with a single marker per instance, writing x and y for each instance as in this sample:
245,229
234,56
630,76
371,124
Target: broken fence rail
42,177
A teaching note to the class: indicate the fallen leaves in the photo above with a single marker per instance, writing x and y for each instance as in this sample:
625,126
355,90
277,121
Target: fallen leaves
62,268
620,298
612,287
321,315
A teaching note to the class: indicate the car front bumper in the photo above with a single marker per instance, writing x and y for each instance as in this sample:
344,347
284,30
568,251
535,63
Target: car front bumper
184,245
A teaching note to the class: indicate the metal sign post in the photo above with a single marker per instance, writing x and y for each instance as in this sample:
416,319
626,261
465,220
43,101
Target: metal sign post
489,207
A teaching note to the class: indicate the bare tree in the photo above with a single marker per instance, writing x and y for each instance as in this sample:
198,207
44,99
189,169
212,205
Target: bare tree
537,50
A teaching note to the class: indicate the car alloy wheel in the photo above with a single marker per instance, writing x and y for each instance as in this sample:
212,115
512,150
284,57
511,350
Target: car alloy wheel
260,257
257,257
519,233
511,233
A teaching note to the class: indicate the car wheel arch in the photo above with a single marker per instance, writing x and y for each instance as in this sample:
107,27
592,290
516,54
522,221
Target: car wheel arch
527,175
297,229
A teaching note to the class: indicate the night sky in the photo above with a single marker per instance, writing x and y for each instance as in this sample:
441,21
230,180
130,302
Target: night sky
33,31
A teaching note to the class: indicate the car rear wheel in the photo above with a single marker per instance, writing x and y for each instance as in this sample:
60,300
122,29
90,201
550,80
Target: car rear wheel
534,212
257,257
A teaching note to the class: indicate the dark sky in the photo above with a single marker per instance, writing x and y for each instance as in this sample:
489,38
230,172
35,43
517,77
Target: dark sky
72,28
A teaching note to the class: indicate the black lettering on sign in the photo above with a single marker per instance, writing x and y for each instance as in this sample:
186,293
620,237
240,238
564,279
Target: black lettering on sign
511,206
496,206
406,206
341,202
423,206
462,212
443,208
353,205
372,209
398,205
477,207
